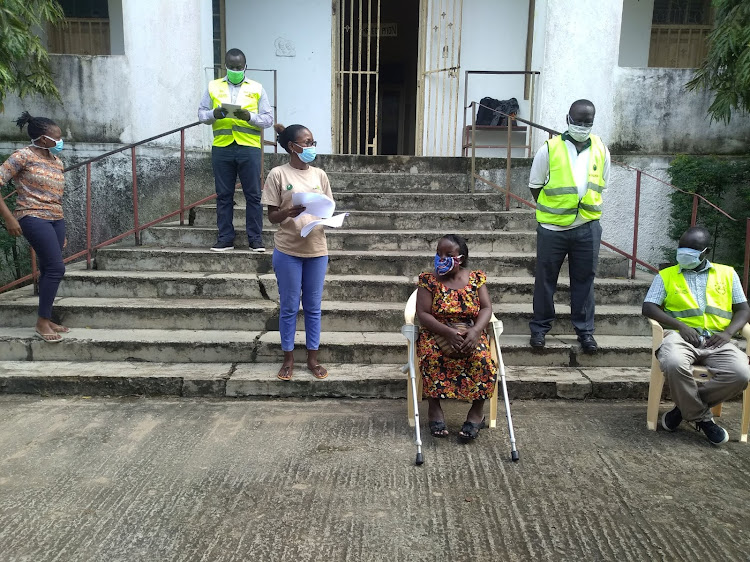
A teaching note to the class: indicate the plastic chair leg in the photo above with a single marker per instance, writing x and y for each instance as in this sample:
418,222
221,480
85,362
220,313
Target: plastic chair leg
716,411
654,397
745,415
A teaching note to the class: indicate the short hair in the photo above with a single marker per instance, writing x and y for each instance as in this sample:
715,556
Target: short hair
286,134
35,126
582,104
700,231
462,247
235,53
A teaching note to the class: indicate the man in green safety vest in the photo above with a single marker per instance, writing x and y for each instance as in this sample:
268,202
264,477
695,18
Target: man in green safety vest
567,178
237,109
702,304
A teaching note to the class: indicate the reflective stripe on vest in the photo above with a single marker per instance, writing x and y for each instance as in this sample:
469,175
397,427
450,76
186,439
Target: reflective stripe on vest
682,305
230,130
558,201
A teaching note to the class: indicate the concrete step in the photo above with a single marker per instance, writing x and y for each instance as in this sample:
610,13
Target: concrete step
236,314
79,282
446,221
508,264
215,346
399,182
347,239
345,380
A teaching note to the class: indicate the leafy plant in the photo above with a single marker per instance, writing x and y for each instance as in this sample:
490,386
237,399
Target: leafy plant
13,251
726,70
722,181
24,62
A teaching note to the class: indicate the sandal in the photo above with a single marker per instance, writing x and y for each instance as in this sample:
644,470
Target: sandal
437,428
285,373
318,371
54,337
470,431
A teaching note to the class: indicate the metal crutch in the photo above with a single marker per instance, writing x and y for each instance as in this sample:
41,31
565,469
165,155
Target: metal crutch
410,331
497,328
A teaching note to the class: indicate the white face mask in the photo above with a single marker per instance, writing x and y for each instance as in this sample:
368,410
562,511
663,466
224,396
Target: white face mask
578,133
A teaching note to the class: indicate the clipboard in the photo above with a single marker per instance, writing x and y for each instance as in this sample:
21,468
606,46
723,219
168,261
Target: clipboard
231,108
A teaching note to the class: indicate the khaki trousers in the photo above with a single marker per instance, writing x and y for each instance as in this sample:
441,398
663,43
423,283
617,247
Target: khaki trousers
728,364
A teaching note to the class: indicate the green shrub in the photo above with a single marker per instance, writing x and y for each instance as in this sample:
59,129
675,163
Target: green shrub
724,182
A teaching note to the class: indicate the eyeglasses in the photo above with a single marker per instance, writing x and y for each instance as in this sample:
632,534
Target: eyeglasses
580,123
307,144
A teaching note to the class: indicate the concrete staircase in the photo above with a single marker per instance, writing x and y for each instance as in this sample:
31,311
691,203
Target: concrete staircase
171,317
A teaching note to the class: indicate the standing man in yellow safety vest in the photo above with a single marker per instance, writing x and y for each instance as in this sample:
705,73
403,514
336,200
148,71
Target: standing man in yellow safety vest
567,178
237,147
703,305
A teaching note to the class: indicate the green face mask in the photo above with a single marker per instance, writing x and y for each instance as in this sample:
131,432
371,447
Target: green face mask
235,76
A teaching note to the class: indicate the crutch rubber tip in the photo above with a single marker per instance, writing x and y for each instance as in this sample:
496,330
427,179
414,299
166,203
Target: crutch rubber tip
514,456
420,459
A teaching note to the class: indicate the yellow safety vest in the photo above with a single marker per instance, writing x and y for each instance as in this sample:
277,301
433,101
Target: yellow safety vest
230,130
558,201
682,305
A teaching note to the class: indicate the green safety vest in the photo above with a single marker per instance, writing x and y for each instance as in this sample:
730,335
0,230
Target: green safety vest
230,130
682,305
558,201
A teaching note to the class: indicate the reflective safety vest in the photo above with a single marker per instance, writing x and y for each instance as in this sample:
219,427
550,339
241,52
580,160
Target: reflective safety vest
228,130
682,305
558,201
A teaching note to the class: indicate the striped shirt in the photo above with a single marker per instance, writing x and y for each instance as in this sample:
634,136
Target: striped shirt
39,183
696,280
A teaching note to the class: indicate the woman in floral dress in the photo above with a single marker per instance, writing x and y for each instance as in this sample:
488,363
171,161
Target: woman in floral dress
462,368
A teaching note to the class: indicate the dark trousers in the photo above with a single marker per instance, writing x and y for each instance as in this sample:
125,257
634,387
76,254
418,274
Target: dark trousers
229,163
581,246
47,238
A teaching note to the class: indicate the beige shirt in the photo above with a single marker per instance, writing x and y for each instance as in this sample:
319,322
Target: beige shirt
281,182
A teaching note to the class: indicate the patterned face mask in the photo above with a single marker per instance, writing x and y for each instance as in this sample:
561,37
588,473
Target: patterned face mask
444,265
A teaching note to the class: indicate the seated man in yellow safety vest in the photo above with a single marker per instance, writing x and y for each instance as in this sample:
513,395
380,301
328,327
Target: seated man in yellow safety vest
703,305
237,147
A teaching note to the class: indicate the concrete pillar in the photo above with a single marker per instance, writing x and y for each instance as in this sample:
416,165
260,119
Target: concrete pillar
581,51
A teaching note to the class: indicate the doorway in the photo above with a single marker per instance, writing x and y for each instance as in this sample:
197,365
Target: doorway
376,49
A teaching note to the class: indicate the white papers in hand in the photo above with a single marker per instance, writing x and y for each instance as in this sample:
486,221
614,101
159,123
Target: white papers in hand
334,222
231,108
316,204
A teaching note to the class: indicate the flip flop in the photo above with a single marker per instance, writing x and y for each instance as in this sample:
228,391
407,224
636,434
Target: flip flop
61,329
470,431
318,371
285,373
49,338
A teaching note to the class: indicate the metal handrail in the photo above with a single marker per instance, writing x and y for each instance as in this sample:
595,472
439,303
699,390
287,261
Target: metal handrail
137,228
634,260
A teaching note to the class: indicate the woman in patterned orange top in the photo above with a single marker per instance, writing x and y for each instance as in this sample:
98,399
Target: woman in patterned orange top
37,174
454,308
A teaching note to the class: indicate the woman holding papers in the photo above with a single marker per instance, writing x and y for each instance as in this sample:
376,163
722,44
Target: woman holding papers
299,261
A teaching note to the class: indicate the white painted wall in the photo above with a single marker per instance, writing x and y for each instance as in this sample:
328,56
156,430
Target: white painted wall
304,80
635,33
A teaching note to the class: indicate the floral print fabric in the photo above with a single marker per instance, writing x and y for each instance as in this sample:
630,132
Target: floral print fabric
465,378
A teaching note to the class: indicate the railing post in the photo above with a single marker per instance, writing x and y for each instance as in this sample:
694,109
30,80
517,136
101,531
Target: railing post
635,222
507,166
694,216
34,272
136,234
88,215
182,177
747,258
473,144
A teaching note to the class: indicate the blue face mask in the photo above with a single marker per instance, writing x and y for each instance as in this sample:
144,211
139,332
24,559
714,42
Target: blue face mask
308,153
688,258
444,265
57,149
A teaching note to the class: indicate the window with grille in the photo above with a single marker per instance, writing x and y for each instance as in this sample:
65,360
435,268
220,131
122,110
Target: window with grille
679,33
85,31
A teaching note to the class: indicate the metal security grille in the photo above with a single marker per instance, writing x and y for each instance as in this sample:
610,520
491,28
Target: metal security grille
440,59
355,95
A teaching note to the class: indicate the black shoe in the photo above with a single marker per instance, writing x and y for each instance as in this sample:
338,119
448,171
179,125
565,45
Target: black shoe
715,434
222,246
537,341
588,343
257,248
671,419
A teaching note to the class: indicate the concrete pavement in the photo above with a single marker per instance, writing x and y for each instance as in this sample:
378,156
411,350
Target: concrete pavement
180,479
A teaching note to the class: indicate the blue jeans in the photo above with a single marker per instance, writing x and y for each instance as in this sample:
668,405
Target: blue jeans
299,277
229,163
47,238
